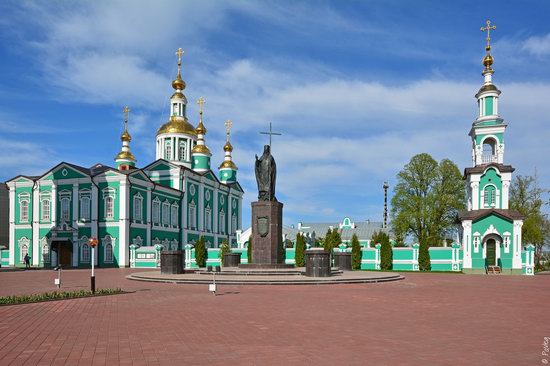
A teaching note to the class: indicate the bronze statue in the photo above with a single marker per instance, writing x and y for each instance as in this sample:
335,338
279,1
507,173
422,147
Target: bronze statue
266,173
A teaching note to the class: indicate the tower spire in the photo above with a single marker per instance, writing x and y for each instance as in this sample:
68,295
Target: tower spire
201,153
488,59
228,169
125,159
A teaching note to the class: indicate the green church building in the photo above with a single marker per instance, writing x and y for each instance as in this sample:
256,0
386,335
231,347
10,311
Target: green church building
491,232
134,212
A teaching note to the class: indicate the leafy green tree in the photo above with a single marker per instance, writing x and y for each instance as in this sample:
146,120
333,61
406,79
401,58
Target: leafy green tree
327,241
332,240
249,250
224,249
300,250
427,199
386,252
356,253
201,253
526,197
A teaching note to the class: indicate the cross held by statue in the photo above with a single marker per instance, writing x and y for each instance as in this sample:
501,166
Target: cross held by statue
270,133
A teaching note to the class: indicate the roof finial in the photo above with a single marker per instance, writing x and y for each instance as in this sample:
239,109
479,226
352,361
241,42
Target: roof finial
126,135
488,28
178,83
201,130
228,125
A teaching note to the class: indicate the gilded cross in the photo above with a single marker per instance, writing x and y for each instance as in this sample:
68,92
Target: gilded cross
488,28
228,125
200,102
270,133
179,52
126,111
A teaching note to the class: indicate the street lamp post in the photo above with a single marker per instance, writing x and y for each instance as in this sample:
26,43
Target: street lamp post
93,243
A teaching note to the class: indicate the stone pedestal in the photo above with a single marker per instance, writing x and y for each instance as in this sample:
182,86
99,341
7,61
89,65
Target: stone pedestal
231,260
171,261
317,263
342,260
267,232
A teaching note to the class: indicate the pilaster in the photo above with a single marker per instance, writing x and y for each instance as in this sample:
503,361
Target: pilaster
124,225
94,219
148,217
517,239
466,243
12,204
35,225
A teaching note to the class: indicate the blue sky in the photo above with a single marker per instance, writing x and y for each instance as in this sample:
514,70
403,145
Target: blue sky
356,87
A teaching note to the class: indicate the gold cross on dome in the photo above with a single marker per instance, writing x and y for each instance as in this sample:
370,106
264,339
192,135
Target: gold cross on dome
201,102
179,52
126,111
488,28
228,125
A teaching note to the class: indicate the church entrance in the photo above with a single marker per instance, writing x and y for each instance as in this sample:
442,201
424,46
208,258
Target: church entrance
64,251
490,259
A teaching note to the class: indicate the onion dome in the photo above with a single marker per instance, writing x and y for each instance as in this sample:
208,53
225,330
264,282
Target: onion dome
201,130
488,61
126,136
228,147
228,164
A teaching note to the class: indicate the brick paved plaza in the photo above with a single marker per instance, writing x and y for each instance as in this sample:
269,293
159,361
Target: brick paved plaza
426,319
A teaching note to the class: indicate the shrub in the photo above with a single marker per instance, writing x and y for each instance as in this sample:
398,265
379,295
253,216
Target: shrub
424,257
300,249
56,295
386,252
201,254
249,250
356,253
224,249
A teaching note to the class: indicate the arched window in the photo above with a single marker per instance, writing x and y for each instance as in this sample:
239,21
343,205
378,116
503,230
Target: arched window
109,207
108,249
489,196
489,150
85,253
181,152
45,210
85,201
168,151
23,248
174,215
45,250
24,211
138,207
166,213
156,211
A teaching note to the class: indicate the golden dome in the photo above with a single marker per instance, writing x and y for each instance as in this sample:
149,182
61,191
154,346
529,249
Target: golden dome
200,130
126,136
228,146
125,155
179,95
177,125
178,83
201,149
488,61
228,164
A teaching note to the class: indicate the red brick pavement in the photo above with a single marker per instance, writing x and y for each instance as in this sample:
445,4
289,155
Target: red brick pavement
426,319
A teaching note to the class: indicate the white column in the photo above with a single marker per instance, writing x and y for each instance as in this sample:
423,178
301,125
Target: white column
76,248
466,243
475,195
35,224
124,224
516,242
12,241
200,206
505,194
54,204
75,205
215,213
95,218
148,217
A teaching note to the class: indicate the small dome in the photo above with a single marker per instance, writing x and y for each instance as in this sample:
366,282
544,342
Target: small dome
177,125
200,130
488,61
228,146
178,83
126,136
201,149
125,155
228,164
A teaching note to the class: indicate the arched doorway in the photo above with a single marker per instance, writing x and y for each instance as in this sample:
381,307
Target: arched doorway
491,252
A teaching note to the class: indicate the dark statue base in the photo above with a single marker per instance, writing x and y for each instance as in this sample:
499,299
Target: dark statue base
317,263
231,259
267,232
342,260
171,261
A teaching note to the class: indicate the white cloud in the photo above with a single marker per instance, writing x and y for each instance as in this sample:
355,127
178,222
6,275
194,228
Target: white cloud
537,45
